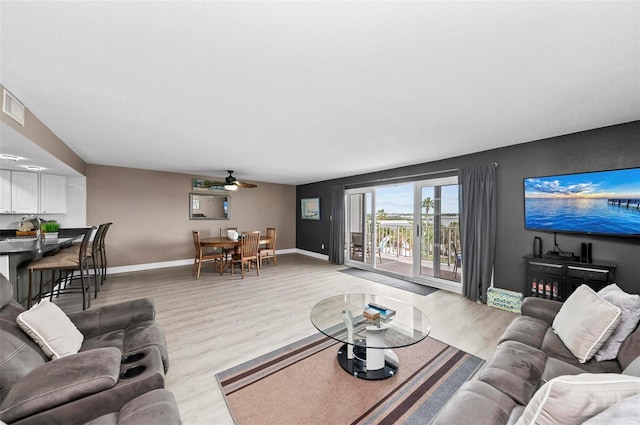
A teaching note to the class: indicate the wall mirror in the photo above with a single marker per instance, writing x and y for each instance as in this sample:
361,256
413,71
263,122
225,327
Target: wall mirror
206,206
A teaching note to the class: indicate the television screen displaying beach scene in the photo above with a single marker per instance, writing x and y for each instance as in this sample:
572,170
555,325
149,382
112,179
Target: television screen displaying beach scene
598,203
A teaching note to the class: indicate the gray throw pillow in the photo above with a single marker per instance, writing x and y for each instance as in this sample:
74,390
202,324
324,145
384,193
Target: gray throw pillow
625,412
629,305
633,369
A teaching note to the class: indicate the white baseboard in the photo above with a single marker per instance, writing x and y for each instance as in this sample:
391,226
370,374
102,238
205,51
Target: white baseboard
176,263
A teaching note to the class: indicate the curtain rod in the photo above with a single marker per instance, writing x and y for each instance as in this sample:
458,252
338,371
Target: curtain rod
451,170
409,176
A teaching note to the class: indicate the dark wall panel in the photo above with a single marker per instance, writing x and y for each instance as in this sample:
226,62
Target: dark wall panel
601,149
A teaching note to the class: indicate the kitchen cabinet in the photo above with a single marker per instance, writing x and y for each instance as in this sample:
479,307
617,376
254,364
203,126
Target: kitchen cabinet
53,194
24,192
5,191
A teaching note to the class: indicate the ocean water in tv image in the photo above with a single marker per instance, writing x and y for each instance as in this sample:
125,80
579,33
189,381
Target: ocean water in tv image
583,215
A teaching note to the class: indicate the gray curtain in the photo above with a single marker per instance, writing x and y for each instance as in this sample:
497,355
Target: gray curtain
336,226
478,229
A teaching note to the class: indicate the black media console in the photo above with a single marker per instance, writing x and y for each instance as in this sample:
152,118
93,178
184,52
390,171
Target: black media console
556,279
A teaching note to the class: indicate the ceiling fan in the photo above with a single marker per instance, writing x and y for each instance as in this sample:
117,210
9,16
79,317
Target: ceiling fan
231,183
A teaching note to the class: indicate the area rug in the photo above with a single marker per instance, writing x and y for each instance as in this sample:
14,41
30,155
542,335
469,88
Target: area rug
302,383
390,281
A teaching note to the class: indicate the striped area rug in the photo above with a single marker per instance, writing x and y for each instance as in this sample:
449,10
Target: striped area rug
302,383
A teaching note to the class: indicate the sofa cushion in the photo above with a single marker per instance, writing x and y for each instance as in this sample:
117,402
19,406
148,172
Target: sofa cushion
109,339
19,355
527,330
474,397
554,368
574,399
6,291
630,348
585,321
51,329
62,381
625,412
540,308
515,369
552,346
629,305
157,407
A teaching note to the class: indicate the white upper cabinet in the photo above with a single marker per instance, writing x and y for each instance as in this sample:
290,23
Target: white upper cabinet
24,192
53,194
5,191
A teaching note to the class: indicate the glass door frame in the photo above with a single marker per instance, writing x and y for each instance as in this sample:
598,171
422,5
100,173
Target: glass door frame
368,237
436,184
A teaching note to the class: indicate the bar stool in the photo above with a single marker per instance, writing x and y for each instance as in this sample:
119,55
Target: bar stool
103,252
94,255
65,263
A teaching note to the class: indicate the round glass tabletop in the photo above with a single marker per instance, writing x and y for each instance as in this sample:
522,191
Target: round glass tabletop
403,324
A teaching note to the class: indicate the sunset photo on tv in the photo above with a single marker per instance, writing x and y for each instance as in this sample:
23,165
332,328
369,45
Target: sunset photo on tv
598,203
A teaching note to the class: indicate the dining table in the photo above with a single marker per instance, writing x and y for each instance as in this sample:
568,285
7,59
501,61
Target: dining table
225,242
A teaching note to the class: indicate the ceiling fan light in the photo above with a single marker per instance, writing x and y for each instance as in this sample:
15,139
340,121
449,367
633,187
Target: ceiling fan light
231,187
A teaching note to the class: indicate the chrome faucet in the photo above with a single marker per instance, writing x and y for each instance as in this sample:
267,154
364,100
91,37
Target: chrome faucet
35,221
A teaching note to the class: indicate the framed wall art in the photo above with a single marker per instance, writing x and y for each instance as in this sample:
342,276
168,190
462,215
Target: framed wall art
310,208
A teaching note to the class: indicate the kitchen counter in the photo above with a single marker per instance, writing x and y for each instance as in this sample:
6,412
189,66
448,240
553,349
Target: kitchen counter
36,246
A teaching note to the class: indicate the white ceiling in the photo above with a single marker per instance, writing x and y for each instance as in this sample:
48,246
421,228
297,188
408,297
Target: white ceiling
297,92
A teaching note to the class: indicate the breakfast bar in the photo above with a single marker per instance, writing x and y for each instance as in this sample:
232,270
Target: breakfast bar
16,252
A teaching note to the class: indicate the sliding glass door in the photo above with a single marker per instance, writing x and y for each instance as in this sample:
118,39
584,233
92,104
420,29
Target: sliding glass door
359,226
437,253
410,230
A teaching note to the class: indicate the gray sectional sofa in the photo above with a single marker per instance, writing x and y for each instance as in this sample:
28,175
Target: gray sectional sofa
115,377
530,354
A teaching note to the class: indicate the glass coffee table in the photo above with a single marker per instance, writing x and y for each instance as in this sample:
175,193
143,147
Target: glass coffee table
369,326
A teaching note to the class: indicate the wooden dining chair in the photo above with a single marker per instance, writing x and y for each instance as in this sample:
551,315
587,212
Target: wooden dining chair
248,252
270,250
204,256
227,252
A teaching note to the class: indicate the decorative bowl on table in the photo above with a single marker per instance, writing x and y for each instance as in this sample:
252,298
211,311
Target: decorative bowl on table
232,234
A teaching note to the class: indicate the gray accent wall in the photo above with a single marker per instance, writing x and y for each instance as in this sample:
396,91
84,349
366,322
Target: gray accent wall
594,150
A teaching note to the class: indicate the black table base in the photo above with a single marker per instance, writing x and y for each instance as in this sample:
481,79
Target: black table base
358,365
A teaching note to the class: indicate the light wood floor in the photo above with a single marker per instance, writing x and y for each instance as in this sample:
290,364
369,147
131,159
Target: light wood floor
218,321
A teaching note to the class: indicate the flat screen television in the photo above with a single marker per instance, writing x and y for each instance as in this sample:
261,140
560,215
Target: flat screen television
595,203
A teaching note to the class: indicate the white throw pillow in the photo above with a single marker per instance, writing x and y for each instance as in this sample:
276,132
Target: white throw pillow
51,329
629,305
572,399
585,321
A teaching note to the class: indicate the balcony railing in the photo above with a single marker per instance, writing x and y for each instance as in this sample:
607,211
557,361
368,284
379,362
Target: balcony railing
397,240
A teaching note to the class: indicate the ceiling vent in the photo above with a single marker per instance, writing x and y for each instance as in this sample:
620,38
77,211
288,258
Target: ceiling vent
12,107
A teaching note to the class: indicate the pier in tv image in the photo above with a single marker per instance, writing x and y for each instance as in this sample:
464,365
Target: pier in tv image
596,203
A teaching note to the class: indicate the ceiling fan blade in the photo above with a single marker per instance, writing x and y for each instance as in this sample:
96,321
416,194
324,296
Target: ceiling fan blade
245,185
